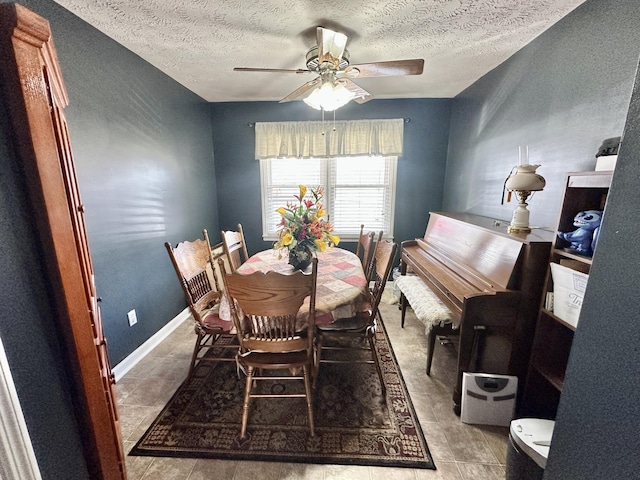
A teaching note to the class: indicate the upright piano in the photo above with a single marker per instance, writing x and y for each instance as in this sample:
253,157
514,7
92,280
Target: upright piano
492,282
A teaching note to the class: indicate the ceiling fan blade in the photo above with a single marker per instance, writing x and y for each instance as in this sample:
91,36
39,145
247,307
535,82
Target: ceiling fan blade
361,95
270,70
331,46
393,68
297,93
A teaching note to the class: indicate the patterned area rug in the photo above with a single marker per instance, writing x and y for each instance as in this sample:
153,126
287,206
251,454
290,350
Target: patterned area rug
354,426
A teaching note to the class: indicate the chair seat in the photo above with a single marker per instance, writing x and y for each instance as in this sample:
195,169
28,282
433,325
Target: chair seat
211,320
275,360
358,323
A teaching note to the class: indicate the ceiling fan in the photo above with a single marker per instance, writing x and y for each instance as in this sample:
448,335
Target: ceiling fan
334,85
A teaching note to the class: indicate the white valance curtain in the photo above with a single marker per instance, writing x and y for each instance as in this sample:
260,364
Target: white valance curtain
329,139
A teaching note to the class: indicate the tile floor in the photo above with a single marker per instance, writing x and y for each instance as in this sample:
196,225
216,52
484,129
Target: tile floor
460,451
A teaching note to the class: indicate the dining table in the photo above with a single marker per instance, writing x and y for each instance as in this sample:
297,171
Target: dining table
341,286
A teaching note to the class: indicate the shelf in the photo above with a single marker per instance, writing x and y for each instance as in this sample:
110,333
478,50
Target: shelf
553,337
558,319
599,179
553,378
543,396
574,256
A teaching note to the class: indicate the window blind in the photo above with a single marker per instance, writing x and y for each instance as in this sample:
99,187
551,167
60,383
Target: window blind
362,191
358,190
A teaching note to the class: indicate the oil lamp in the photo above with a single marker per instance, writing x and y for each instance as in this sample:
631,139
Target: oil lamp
524,181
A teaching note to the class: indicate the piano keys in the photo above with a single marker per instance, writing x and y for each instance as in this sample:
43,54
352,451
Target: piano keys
491,280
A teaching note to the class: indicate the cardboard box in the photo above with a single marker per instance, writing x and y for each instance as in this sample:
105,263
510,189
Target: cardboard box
568,291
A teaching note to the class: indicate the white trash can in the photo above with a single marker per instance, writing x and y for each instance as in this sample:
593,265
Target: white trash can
529,441
395,274
488,399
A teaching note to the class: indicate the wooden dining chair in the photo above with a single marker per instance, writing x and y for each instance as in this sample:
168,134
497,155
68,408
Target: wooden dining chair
235,247
363,325
367,243
196,265
265,308
365,248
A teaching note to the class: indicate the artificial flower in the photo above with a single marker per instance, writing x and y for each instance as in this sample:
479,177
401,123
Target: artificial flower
304,224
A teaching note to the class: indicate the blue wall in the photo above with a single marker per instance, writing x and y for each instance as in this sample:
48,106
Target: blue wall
144,157
596,434
27,327
421,169
562,95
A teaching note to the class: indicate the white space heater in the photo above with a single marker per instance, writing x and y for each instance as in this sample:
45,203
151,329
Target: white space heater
488,399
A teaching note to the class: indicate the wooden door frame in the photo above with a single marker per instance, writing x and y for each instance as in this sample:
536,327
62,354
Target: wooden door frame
32,82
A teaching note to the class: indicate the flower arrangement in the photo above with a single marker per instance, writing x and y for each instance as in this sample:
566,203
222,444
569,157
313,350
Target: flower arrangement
304,227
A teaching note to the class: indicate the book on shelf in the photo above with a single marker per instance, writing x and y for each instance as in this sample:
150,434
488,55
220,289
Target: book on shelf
548,301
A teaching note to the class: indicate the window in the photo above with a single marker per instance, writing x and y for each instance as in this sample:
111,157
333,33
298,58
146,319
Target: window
358,190
354,160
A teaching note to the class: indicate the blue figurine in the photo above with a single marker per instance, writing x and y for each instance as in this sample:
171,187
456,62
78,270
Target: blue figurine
583,240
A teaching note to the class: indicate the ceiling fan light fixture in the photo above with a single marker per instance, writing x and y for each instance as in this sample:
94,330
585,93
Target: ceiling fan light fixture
330,60
329,97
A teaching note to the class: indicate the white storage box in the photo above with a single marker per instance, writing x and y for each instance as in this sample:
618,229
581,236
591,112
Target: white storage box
488,399
568,291
607,162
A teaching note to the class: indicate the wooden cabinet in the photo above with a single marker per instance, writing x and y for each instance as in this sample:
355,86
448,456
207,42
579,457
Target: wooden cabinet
554,334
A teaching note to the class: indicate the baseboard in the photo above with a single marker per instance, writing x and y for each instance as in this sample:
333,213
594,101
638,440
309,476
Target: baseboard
143,350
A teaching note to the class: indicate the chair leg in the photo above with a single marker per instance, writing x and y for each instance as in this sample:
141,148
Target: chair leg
317,358
374,355
194,356
247,397
307,387
431,345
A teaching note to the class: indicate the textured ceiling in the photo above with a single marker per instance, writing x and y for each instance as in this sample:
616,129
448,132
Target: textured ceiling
198,42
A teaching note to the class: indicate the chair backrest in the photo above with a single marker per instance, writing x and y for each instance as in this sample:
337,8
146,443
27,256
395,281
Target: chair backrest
201,286
382,261
215,272
235,247
365,249
266,308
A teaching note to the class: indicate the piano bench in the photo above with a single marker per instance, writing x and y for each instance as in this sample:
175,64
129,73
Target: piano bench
428,308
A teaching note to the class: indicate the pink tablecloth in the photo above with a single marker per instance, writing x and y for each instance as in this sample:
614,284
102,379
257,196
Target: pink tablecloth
340,290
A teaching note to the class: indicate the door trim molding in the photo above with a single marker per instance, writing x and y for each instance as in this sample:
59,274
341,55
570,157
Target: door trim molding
17,458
